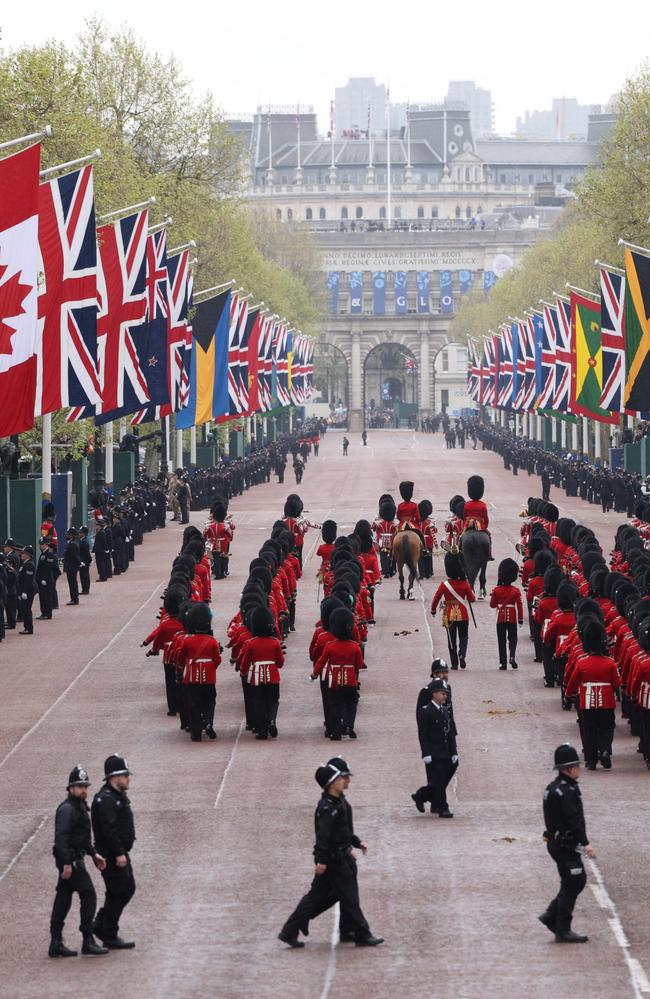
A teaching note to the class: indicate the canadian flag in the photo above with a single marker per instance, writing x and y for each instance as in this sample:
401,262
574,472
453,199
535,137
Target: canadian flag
19,257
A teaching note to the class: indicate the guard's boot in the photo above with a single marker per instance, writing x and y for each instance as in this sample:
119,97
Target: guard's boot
291,941
116,943
59,949
91,947
568,936
368,941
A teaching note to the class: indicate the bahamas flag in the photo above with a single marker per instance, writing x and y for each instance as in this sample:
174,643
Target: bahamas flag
587,360
208,392
636,395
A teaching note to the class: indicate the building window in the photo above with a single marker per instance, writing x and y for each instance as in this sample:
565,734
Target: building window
477,174
420,212
278,214
308,214
458,211
382,213
434,212
468,175
468,212
284,179
398,213
321,213
289,214
359,212
558,178
445,360
502,178
531,178
344,213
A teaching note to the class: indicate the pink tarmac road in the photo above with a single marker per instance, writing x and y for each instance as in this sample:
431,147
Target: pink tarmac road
225,829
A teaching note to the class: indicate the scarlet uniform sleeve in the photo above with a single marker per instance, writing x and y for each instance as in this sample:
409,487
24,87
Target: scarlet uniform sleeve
437,597
321,662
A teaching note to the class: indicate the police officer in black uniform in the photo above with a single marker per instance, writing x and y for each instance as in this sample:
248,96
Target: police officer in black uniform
12,568
335,874
436,732
114,833
27,588
72,564
566,840
72,843
46,568
86,560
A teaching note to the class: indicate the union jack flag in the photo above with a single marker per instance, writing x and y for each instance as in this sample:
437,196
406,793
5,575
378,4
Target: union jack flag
309,369
473,371
506,368
281,347
238,317
487,372
265,365
66,349
563,357
179,339
527,343
612,324
244,341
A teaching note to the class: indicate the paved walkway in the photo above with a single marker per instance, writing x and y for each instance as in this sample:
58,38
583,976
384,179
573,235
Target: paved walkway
225,829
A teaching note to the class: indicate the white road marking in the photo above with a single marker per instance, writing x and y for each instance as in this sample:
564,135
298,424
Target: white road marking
331,964
18,855
229,764
638,979
79,675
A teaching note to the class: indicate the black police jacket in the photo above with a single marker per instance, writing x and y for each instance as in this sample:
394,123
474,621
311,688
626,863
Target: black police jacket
113,825
99,544
84,552
424,698
46,568
72,831
564,815
435,732
71,557
27,578
334,829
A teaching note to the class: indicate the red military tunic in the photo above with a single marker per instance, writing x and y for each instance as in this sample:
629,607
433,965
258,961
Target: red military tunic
476,512
341,661
219,535
324,553
595,679
507,601
199,658
407,512
457,594
261,661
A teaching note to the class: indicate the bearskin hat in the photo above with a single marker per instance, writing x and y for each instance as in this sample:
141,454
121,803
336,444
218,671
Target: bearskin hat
327,605
406,490
475,487
542,561
594,637
262,622
264,576
362,527
455,499
537,543
597,579
48,511
365,543
566,595
295,498
219,510
172,600
384,497
532,506
293,506
590,561
342,624
587,607
328,531
564,528
457,507
621,594
387,509
551,513
425,509
552,579
454,566
508,572
198,619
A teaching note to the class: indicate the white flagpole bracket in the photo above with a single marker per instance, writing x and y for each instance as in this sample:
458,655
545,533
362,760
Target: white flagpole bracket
95,155
130,208
45,133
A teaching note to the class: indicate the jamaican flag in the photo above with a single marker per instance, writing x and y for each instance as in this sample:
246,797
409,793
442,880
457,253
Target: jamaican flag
636,395
587,360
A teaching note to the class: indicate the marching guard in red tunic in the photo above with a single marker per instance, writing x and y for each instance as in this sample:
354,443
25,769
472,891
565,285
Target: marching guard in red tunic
430,535
407,511
457,595
506,598
198,659
595,679
218,535
341,660
260,665
384,529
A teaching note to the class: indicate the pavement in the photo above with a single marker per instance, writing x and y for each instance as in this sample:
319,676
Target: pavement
225,828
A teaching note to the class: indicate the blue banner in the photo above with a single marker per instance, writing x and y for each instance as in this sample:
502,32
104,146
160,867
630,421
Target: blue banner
399,279
489,280
465,278
333,285
446,293
379,293
423,280
356,291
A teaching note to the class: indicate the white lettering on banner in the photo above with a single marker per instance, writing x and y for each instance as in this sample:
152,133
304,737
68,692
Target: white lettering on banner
401,260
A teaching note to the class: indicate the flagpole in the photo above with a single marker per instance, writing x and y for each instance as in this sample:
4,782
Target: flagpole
179,249
632,246
298,128
610,267
46,458
558,294
96,155
129,208
581,291
108,434
164,455
216,287
193,445
45,133
160,226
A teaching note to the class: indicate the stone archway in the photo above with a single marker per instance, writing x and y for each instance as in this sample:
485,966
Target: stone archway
390,386
332,378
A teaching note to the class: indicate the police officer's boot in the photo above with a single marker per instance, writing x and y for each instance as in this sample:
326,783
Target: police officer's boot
59,949
568,936
91,947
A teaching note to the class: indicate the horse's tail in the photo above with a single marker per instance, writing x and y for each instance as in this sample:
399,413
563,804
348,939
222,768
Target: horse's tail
407,554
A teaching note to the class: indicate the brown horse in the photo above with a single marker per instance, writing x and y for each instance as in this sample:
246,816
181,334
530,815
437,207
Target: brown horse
407,548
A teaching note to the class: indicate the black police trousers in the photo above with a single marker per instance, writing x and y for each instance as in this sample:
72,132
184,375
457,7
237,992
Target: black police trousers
439,773
73,585
572,880
84,578
45,597
337,884
25,608
79,882
120,889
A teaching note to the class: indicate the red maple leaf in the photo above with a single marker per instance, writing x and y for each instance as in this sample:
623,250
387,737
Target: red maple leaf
12,296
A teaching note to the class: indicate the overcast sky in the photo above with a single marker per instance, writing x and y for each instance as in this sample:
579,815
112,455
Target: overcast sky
256,53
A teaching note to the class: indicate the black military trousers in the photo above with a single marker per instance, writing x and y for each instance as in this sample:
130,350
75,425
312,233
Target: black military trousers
79,882
120,889
172,689
457,639
264,703
572,880
341,710
202,698
439,773
507,632
425,565
337,884
597,729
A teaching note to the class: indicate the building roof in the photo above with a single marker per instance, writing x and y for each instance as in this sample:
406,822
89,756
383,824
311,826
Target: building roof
351,153
507,152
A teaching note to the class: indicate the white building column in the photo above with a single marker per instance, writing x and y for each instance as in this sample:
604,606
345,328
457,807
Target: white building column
108,437
179,449
585,435
355,416
425,374
193,445
46,458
